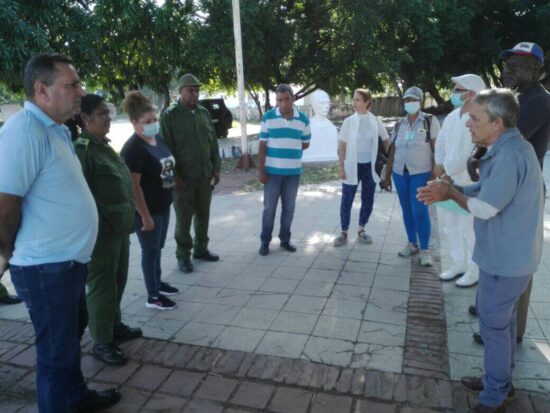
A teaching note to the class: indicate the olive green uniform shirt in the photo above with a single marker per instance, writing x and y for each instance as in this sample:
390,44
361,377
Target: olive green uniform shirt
191,137
110,182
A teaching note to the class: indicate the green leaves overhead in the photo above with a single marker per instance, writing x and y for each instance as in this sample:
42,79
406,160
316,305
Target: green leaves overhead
336,45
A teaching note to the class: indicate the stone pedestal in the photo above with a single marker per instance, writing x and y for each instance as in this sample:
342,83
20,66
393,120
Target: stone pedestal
323,145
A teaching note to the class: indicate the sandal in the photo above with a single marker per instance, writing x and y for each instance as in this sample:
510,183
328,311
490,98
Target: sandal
363,237
341,239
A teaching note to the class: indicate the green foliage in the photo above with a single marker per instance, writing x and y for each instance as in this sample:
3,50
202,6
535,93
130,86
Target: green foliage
283,42
31,26
337,45
139,43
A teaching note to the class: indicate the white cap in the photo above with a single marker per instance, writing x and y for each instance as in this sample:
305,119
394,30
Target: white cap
470,82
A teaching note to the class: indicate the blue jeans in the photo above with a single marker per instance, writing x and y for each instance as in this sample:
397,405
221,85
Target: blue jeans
55,297
496,302
415,214
364,175
152,243
286,188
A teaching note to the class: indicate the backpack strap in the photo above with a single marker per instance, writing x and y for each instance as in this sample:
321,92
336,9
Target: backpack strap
428,126
396,131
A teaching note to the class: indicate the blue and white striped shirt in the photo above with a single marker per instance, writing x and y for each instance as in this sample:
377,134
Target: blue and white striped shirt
284,139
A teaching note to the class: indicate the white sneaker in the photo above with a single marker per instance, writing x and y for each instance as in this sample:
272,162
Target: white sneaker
452,273
469,279
408,250
425,259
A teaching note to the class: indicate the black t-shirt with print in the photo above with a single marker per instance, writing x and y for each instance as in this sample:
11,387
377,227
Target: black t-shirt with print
155,163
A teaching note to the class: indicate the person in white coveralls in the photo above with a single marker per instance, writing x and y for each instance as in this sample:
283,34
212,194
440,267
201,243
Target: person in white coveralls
452,149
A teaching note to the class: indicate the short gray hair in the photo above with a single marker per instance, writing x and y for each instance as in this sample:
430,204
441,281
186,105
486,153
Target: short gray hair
500,103
284,88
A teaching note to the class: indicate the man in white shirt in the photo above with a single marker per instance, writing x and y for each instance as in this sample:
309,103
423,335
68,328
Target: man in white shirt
452,149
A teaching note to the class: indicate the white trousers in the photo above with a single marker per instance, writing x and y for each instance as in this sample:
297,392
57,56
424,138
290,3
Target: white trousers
459,230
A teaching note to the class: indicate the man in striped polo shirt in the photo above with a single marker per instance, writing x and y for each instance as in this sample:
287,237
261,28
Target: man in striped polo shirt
284,134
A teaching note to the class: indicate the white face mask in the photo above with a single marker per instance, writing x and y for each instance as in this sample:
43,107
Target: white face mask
151,129
412,107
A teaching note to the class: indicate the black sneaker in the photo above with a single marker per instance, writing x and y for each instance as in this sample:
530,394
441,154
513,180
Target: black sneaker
167,289
160,303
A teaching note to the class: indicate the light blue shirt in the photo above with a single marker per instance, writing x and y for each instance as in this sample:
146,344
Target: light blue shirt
38,163
510,180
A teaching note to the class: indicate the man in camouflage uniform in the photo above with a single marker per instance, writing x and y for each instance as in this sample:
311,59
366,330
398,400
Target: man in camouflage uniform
187,130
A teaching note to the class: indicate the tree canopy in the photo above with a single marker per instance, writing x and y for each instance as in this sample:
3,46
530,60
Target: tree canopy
337,45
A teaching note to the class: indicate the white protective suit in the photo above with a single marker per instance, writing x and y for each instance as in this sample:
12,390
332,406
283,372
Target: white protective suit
452,149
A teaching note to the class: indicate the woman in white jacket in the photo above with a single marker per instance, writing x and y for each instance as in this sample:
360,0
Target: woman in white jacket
357,151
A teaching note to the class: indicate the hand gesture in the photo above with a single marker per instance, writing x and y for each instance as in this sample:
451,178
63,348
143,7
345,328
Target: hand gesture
435,191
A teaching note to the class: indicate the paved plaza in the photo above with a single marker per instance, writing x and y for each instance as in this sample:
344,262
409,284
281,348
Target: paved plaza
353,329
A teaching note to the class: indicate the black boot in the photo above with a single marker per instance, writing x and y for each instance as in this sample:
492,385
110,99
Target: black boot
96,400
122,332
109,354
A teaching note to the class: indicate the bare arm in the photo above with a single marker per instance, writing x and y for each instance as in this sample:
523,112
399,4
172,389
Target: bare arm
261,162
387,145
10,219
386,180
305,145
141,205
341,159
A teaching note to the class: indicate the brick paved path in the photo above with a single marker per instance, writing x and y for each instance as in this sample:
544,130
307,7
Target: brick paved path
162,376
167,376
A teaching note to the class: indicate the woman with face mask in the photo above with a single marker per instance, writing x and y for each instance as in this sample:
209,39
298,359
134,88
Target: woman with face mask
411,164
357,151
111,185
152,168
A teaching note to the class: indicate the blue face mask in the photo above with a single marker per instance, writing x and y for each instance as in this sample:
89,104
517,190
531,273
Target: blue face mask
412,107
151,129
456,100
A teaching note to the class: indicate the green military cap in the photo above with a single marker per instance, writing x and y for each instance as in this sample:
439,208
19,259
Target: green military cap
189,80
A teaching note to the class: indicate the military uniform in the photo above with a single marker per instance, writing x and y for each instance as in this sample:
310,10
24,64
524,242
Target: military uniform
3,291
111,185
191,138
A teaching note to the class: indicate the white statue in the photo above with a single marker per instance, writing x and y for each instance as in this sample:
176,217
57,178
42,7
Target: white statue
323,145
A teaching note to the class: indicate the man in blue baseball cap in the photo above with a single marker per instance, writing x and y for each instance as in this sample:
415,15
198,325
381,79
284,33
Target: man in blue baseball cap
521,72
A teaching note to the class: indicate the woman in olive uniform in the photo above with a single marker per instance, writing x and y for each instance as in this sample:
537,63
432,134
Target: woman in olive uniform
111,185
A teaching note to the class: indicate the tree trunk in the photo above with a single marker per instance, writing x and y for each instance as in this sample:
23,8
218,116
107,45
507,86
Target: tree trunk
435,94
396,86
165,97
267,102
256,97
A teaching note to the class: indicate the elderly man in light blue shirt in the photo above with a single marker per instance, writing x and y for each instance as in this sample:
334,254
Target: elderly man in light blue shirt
507,204
48,228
